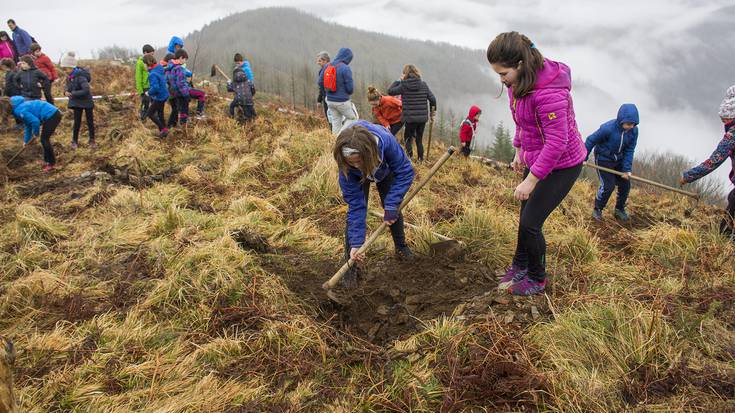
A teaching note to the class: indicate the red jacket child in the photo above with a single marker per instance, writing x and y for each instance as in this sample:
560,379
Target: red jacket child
468,129
43,63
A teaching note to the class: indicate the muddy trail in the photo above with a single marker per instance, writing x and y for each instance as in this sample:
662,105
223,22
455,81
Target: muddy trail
395,298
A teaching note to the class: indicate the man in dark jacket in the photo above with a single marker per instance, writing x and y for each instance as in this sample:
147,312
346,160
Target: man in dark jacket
322,59
614,145
341,110
21,38
31,80
419,104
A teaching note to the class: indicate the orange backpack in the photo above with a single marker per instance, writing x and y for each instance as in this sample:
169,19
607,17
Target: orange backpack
330,77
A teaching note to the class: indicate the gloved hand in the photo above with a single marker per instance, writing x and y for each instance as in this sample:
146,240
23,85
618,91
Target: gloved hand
390,216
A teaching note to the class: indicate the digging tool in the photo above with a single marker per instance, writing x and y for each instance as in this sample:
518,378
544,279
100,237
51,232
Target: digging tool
332,282
431,132
216,69
20,151
445,244
643,180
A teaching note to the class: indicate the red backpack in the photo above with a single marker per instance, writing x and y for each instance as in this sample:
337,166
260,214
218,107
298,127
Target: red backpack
330,77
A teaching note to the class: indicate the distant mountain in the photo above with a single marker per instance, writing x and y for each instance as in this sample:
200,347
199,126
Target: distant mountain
282,44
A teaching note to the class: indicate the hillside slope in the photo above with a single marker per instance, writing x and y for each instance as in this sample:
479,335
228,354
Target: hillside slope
183,276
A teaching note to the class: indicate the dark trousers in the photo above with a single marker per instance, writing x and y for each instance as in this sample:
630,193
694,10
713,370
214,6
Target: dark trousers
145,102
326,113
248,111
414,130
466,149
395,128
548,194
155,113
726,226
89,113
173,118
397,230
48,129
608,182
47,93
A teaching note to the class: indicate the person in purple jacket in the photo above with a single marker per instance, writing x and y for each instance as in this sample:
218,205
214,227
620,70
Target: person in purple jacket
549,148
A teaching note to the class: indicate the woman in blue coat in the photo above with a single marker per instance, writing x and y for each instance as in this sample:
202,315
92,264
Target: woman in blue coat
368,153
34,114
614,145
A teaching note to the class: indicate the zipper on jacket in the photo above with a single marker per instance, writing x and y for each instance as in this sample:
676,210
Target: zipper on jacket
620,148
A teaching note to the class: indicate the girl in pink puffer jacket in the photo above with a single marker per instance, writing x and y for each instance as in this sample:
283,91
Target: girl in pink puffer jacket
549,148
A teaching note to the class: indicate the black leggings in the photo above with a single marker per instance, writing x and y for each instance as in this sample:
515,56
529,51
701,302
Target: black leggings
89,112
726,226
47,92
414,130
155,113
397,230
173,118
548,194
49,127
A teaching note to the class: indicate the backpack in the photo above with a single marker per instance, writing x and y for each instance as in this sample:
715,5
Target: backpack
330,77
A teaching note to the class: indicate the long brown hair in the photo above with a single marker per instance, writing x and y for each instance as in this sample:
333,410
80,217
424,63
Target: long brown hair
364,143
373,94
511,49
411,71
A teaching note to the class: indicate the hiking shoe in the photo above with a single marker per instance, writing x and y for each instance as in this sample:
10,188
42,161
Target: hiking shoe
512,276
49,167
527,286
164,133
92,145
201,116
597,214
404,253
74,145
622,215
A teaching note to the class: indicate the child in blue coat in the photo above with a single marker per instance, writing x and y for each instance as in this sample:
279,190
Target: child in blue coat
34,114
614,145
368,153
157,92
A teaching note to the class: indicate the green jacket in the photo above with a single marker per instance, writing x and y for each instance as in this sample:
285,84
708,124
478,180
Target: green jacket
141,76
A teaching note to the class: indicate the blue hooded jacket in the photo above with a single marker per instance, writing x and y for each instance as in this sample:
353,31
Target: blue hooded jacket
392,160
345,85
612,143
158,89
176,40
33,113
22,41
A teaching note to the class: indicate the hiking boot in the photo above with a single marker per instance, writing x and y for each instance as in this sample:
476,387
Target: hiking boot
512,276
163,133
92,145
597,214
74,145
528,286
49,167
621,215
404,253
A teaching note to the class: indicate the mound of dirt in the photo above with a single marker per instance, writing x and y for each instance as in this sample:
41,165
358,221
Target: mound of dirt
395,298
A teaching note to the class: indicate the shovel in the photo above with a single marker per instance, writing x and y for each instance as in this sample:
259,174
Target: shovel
216,69
446,245
332,282
19,152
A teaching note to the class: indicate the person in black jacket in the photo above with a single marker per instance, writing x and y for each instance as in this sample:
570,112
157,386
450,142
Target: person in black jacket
12,88
419,104
80,98
31,80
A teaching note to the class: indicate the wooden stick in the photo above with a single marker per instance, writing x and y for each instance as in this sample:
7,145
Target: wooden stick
20,151
643,180
222,73
332,282
431,132
415,227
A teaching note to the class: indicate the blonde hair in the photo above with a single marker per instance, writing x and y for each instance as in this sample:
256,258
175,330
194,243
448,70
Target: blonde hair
410,71
373,94
363,142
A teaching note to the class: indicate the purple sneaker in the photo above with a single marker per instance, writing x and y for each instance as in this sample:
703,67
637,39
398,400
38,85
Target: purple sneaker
512,276
527,286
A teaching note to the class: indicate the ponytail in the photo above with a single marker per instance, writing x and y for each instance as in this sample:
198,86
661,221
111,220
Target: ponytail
515,50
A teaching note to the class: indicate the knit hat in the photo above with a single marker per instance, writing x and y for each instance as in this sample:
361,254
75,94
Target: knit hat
727,108
69,60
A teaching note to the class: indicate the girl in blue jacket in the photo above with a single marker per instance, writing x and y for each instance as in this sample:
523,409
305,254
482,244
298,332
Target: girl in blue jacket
34,114
370,153
614,145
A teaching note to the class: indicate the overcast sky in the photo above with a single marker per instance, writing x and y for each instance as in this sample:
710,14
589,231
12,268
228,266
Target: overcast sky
615,48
